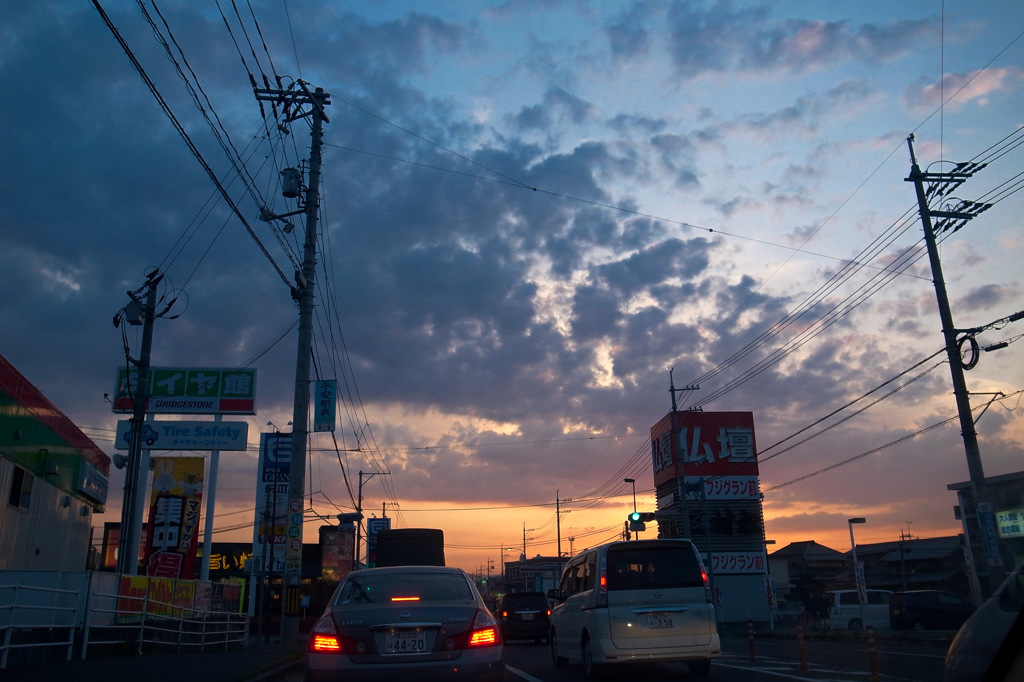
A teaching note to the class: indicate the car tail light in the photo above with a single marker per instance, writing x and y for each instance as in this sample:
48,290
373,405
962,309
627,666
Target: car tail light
483,633
324,639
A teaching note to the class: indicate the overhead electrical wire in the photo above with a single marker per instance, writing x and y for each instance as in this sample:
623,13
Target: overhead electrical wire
186,138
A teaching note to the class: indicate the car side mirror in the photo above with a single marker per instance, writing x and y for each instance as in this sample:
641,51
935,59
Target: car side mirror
492,606
555,596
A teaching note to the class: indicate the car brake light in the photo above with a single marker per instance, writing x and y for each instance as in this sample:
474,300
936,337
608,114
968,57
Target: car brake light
405,599
484,631
324,638
602,589
485,637
325,644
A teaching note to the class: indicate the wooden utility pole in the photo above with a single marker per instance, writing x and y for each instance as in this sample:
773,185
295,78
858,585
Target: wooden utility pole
135,479
304,104
942,184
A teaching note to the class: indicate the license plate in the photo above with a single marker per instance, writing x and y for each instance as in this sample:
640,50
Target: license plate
405,641
660,620
526,616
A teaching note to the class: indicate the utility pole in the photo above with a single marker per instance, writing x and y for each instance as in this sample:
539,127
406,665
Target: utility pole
304,104
134,480
359,503
558,529
941,185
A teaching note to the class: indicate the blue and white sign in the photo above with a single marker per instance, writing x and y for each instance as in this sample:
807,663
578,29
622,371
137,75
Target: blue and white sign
185,435
325,399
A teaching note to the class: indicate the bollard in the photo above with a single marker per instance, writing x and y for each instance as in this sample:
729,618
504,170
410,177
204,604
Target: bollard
750,640
800,646
872,654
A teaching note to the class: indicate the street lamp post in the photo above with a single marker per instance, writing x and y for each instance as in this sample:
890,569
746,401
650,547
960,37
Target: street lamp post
632,481
861,588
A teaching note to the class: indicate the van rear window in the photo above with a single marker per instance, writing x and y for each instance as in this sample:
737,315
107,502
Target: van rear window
653,568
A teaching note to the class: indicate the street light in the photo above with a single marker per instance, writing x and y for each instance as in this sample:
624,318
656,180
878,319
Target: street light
633,482
857,578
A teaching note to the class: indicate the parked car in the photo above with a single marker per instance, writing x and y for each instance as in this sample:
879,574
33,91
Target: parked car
990,645
845,612
641,601
524,615
406,623
928,610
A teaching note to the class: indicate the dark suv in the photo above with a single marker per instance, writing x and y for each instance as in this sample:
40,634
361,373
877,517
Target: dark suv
524,615
928,610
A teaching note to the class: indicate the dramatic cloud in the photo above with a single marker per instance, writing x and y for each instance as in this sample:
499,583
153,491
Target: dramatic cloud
531,213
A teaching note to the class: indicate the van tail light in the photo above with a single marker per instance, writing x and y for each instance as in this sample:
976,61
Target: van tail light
602,589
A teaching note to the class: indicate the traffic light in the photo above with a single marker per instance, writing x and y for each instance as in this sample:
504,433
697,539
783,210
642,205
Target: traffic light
637,520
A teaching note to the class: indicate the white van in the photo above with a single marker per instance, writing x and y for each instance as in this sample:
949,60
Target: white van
641,601
844,609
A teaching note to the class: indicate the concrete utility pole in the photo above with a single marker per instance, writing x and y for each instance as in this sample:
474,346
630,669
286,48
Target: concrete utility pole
134,479
304,103
944,183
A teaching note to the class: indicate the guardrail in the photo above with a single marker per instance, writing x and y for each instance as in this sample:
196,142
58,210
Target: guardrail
34,617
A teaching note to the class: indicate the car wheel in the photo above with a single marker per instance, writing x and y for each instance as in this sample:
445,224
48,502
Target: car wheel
918,625
856,624
699,668
559,661
593,670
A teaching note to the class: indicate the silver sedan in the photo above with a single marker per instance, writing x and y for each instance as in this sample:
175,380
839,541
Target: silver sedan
420,623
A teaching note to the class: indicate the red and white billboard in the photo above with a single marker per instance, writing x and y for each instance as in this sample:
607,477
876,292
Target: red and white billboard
704,445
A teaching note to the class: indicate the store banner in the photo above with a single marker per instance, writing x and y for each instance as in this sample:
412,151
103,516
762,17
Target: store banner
173,529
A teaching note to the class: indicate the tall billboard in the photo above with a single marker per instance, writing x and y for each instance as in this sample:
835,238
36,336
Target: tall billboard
270,525
706,480
175,504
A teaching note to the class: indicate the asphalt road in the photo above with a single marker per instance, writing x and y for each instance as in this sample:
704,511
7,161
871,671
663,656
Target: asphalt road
774,658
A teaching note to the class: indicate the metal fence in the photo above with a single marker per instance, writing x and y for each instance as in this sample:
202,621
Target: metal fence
34,617
147,625
99,618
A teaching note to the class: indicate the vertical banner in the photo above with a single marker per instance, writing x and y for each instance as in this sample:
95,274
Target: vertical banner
270,522
173,528
326,397
336,548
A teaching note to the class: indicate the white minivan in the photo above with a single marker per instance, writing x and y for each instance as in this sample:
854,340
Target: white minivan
640,601
845,610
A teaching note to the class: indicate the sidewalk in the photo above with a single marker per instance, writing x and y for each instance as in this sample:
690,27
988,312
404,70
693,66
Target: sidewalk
246,664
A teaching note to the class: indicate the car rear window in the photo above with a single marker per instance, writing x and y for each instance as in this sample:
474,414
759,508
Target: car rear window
524,601
411,587
653,568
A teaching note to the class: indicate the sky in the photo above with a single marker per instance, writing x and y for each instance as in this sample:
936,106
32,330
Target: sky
533,214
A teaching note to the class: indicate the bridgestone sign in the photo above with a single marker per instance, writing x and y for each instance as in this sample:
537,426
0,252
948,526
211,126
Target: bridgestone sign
189,390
